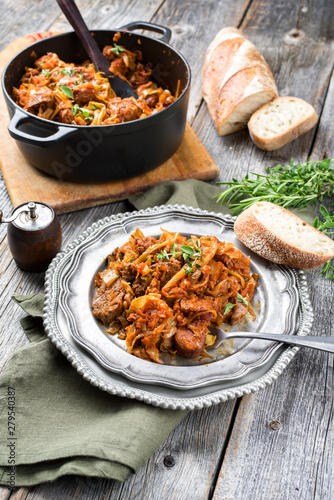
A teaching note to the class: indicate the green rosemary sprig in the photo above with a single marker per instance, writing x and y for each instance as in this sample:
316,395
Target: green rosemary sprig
327,227
296,185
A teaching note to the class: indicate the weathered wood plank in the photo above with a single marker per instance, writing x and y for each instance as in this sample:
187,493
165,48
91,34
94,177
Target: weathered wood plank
324,140
72,226
183,18
302,67
5,494
194,25
21,18
197,443
282,441
185,466
99,14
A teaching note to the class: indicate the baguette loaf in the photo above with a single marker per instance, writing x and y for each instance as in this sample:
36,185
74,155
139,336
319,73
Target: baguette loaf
281,121
236,81
280,236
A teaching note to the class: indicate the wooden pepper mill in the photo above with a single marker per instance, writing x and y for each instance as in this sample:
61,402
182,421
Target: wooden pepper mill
34,235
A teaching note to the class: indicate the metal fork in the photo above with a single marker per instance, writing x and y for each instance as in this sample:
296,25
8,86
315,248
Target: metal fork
322,343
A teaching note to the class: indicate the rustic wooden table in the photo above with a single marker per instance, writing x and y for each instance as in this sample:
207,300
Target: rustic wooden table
277,443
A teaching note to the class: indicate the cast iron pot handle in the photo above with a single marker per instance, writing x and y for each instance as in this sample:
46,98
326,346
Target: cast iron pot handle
157,28
43,142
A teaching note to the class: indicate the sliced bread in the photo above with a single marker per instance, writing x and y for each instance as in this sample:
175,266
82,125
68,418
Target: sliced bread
278,235
281,121
236,80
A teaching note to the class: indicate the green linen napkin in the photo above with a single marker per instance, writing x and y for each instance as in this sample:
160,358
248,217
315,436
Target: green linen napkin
196,194
53,422
191,192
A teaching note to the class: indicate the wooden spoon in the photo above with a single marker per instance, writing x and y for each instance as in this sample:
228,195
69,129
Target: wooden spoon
101,63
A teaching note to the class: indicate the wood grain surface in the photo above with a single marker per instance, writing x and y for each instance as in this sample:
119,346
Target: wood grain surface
278,443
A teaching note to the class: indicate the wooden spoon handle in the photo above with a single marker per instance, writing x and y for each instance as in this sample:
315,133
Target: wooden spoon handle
74,17
121,87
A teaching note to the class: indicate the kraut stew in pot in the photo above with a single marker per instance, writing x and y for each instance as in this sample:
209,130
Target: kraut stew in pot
76,94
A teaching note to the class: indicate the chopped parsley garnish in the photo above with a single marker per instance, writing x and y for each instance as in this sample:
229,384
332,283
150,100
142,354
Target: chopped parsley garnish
46,72
67,72
78,82
173,252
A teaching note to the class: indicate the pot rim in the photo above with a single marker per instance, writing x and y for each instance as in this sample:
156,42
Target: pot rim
119,125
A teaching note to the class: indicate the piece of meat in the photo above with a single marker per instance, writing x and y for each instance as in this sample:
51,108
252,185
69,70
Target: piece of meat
108,302
107,52
65,116
118,66
189,344
238,314
84,93
196,305
152,100
48,61
86,72
142,244
139,286
35,98
27,76
127,271
126,109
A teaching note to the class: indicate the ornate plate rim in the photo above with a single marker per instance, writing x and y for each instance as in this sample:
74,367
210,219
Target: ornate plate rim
216,396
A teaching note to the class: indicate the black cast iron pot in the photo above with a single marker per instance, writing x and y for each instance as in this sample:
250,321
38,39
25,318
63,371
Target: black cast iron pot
108,152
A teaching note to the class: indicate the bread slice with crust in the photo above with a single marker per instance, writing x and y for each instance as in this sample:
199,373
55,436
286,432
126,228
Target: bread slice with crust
236,80
281,121
278,235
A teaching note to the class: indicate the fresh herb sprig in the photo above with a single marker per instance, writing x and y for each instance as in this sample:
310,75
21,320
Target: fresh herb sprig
327,227
296,185
67,72
117,49
67,91
76,109
163,255
191,255
229,305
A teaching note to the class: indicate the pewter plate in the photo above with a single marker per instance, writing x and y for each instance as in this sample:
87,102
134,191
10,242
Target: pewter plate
281,302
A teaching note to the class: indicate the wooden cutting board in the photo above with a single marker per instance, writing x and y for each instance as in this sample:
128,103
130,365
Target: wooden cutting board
26,183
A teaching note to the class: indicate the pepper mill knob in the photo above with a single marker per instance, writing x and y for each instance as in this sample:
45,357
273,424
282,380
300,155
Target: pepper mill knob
34,235
32,210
